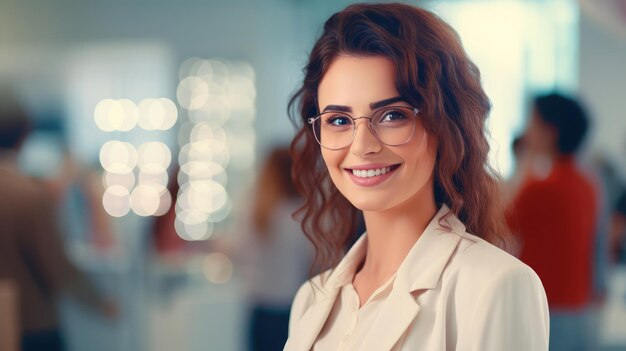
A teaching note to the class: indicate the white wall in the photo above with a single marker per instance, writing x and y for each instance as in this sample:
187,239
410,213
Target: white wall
603,86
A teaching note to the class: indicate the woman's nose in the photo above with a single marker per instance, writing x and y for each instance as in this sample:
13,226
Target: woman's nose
365,142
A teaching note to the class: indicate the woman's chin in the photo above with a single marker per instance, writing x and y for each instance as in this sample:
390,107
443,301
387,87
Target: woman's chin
373,204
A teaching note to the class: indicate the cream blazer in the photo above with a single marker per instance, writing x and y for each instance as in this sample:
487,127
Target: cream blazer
453,291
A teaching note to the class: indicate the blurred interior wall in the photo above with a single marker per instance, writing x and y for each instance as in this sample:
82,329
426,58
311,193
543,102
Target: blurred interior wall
36,36
602,82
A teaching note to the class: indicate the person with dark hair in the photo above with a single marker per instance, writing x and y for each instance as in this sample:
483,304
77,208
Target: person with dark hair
556,219
32,257
270,251
391,118
565,118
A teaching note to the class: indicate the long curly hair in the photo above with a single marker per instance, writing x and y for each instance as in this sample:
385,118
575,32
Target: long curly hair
434,74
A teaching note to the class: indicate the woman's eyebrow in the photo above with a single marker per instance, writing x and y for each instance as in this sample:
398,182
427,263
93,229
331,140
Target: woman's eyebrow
340,108
381,103
373,105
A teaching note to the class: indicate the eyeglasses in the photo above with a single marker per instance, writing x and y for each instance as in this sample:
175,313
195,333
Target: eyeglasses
391,125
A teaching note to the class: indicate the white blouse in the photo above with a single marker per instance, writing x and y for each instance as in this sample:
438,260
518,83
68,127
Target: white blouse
347,325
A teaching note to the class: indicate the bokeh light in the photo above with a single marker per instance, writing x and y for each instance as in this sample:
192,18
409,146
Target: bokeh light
220,98
165,202
144,200
157,114
216,111
154,154
206,150
153,175
193,225
205,131
207,196
118,157
192,93
171,113
196,170
126,180
101,115
130,116
111,115
116,201
203,69
188,67
220,71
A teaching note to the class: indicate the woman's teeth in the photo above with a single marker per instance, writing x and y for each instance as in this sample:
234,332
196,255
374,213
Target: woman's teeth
363,173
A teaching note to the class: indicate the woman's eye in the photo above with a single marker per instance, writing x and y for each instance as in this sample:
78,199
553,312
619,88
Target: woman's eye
391,116
339,120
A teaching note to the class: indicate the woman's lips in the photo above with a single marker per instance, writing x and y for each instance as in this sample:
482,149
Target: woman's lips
371,176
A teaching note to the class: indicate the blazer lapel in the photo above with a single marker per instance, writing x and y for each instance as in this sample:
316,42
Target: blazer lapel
310,324
306,331
394,319
421,270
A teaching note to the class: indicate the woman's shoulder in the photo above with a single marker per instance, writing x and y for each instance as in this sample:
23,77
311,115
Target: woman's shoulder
499,300
482,261
308,291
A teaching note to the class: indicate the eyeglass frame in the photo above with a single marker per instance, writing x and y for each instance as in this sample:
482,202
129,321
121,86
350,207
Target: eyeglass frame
312,120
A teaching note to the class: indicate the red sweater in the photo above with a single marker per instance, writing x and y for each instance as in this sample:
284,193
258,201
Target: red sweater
555,220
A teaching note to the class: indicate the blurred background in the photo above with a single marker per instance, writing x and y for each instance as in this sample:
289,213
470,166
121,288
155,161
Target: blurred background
148,136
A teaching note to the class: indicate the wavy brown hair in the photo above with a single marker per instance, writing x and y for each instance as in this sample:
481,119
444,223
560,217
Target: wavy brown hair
434,74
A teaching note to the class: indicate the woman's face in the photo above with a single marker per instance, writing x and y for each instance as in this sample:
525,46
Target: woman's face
355,83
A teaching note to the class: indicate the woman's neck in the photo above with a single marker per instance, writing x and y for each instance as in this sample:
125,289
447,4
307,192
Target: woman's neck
391,234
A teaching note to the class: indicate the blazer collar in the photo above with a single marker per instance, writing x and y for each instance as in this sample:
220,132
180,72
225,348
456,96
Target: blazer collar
422,266
421,269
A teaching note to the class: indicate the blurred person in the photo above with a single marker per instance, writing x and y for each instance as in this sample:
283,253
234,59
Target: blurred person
392,116
9,329
555,216
618,230
606,180
606,169
512,186
273,253
31,251
84,219
75,186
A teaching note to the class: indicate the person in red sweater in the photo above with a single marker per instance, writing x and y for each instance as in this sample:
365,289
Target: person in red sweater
554,215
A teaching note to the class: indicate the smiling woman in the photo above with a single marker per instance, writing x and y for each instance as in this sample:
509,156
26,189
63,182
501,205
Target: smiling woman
392,118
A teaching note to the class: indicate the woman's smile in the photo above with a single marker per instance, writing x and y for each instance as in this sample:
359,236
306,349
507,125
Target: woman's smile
371,175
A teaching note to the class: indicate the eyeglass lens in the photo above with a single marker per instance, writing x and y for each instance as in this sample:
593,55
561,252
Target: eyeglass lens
392,126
